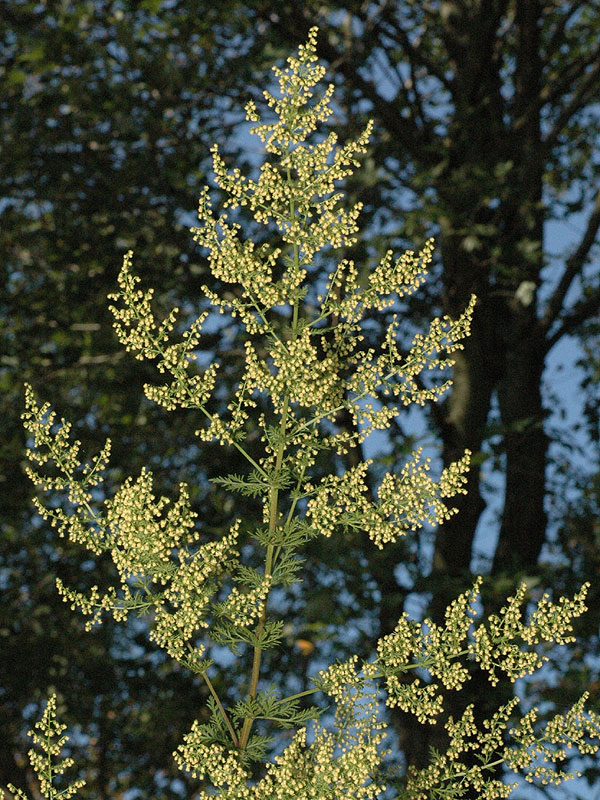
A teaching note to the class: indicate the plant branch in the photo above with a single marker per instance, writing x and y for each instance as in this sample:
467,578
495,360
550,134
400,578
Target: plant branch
234,738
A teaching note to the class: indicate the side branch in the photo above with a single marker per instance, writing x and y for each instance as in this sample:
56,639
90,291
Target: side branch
584,93
580,312
553,90
573,267
414,55
557,37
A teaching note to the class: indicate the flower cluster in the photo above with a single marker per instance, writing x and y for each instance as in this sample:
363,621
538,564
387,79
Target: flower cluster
83,526
138,330
496,643
47,736
449,777
302,772
406,500
151,542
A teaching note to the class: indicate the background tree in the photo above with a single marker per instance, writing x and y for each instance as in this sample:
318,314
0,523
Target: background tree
488,132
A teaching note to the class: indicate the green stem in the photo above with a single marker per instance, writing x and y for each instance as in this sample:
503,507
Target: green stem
234,738
489,765
60,463
404,668
291,511
238,447
299,694
49,775
273,512
273,515
273,506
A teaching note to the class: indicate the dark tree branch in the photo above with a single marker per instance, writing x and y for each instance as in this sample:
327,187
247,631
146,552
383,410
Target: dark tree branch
580,312
573,267
585,92
415,139
558,34
418,100
413,54
395,79
552,91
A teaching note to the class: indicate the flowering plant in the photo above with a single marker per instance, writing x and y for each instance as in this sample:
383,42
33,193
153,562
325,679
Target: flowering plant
303,355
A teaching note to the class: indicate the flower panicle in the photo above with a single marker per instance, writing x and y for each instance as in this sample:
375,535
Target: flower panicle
45,759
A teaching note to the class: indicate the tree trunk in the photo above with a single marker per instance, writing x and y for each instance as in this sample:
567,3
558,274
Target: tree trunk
523,528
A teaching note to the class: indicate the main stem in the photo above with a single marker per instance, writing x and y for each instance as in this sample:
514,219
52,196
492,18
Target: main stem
273,516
